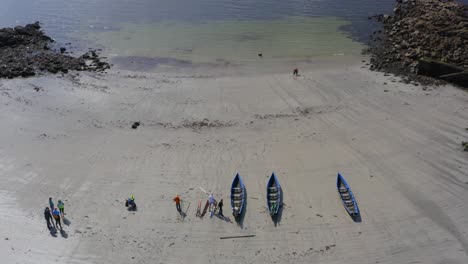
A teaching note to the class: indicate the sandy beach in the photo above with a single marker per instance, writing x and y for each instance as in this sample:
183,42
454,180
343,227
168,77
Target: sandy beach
398,145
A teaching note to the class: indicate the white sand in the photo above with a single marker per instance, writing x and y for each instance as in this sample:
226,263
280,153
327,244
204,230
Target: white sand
400,151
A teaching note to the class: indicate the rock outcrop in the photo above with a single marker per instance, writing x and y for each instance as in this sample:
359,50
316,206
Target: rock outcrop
422,31
25,51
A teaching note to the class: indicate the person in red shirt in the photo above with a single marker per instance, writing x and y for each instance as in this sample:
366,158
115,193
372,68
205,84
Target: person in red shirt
177,203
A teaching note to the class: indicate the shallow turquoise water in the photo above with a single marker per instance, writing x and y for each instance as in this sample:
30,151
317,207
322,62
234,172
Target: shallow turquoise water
230,41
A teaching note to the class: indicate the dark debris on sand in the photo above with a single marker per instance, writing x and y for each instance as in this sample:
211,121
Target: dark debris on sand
26,51
135,125
465,145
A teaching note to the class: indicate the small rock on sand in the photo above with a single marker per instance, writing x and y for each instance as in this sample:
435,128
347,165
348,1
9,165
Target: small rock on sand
135,125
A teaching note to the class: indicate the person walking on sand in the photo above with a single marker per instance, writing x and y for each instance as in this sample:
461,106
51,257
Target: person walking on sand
61,207
48,218
51,204
296,72
220,210
177,203
56,215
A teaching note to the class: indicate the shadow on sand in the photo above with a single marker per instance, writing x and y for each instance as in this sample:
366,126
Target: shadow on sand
66,221
53,231
224,218
63,233
356,218
132,208
182,215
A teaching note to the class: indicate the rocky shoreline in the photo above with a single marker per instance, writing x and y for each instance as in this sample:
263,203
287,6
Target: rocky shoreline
423,38
27,51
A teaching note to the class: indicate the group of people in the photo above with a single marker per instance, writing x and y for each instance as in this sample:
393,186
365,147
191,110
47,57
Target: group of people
211,204
130,203
54,212
58,213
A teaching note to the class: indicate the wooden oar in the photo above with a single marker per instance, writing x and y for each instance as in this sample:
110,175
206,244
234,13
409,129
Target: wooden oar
228,237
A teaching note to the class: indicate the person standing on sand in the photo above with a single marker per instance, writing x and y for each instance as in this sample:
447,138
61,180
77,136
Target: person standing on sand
56,215
48,218
220,210
177,203
211,202
51,204
295,72
61,207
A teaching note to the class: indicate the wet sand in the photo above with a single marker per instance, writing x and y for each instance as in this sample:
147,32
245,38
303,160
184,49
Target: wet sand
398,146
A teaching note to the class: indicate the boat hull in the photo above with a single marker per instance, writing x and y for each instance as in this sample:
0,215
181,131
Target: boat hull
274,195
347,197
237,196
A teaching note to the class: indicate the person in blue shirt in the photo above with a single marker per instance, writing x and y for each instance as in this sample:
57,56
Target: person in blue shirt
212,201
56,215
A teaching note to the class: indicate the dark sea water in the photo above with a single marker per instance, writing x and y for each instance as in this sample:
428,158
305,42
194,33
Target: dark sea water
204,30
61,16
